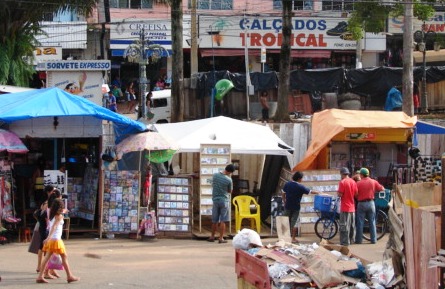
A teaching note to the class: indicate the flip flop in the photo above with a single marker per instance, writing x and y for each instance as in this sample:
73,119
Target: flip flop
210,240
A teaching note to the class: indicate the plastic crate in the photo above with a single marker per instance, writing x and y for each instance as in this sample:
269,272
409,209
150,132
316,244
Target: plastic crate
382,199
322,203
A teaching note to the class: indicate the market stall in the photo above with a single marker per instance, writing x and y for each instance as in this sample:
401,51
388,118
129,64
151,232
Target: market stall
215,142
62,131
356,138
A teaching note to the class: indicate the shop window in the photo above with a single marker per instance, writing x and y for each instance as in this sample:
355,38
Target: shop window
214,4
133,4
331,5
297,5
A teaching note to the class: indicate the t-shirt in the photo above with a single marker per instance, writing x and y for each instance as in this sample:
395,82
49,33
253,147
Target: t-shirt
112,106
294,192
348,188
221,186
367,187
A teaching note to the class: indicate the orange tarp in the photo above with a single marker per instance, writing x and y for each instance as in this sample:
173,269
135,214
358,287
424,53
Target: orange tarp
359,125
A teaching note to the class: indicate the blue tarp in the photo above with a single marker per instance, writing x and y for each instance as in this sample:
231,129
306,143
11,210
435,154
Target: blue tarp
50,102
426,128
429,128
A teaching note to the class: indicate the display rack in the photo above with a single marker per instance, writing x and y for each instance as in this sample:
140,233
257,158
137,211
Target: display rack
365,155
174,204
120,202
213,159
324,181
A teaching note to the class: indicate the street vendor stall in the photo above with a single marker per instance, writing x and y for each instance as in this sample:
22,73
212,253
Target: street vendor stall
355,139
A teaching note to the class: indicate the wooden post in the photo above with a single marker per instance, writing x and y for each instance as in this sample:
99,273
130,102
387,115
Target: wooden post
442,223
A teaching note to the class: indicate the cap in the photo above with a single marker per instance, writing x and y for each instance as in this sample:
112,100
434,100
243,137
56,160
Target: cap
364,171
230,168
344,171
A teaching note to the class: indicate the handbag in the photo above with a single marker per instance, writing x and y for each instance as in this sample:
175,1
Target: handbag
55,262
107,155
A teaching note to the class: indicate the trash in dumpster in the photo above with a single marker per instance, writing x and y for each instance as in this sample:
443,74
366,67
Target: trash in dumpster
324,265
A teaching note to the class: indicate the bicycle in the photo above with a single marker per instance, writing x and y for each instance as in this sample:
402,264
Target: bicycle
326,227
381,200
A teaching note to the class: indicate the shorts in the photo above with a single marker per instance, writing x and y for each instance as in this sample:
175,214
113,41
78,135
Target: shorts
293,217
220,211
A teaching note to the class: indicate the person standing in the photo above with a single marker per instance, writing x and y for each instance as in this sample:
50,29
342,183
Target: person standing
53,244
347,189
222,187
366,189
264,106
292,192
112,102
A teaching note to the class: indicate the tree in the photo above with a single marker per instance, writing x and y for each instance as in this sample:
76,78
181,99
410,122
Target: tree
282,114
178,61
177,88
19,24
371,16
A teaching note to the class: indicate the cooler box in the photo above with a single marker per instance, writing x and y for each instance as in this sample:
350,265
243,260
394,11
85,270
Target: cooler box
382,199
322,203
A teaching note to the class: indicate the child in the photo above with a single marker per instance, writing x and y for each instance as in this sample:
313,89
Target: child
54,244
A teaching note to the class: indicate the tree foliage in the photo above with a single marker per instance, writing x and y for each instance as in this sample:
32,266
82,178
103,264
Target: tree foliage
371,16
19,24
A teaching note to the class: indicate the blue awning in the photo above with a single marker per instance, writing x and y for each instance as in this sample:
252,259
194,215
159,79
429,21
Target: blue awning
53,101
429,128
120,52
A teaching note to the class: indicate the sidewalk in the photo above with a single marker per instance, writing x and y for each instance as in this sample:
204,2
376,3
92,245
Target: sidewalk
151,263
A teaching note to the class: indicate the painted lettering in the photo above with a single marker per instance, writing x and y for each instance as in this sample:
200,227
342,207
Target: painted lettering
271,39
276,24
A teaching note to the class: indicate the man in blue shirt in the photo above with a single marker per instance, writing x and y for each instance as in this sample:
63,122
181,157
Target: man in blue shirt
292,193
222,187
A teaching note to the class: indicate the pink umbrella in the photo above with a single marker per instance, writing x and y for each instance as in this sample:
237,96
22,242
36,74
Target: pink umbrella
145,141
11,143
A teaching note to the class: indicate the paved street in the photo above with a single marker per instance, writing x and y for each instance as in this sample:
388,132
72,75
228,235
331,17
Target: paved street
154,263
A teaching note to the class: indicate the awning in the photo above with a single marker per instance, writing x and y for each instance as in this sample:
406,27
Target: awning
429,128
430,56
120,52
51,102
208,52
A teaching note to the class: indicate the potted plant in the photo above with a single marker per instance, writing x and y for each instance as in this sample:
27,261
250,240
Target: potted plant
349,101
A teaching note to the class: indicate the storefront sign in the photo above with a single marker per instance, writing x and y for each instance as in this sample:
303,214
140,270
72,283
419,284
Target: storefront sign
435,23
361,136
87,84
126,32
74,65
42,54
257,32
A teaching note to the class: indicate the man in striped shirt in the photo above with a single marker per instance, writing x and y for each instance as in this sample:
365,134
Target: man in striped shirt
222,187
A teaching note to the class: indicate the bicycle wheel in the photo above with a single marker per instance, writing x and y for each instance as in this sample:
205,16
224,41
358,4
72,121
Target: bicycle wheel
381,224
326,228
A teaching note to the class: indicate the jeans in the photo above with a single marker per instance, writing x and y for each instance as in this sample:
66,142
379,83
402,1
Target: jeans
365,210
347,228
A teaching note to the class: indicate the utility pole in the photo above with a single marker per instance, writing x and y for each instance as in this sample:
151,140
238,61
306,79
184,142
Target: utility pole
194,41
142,77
